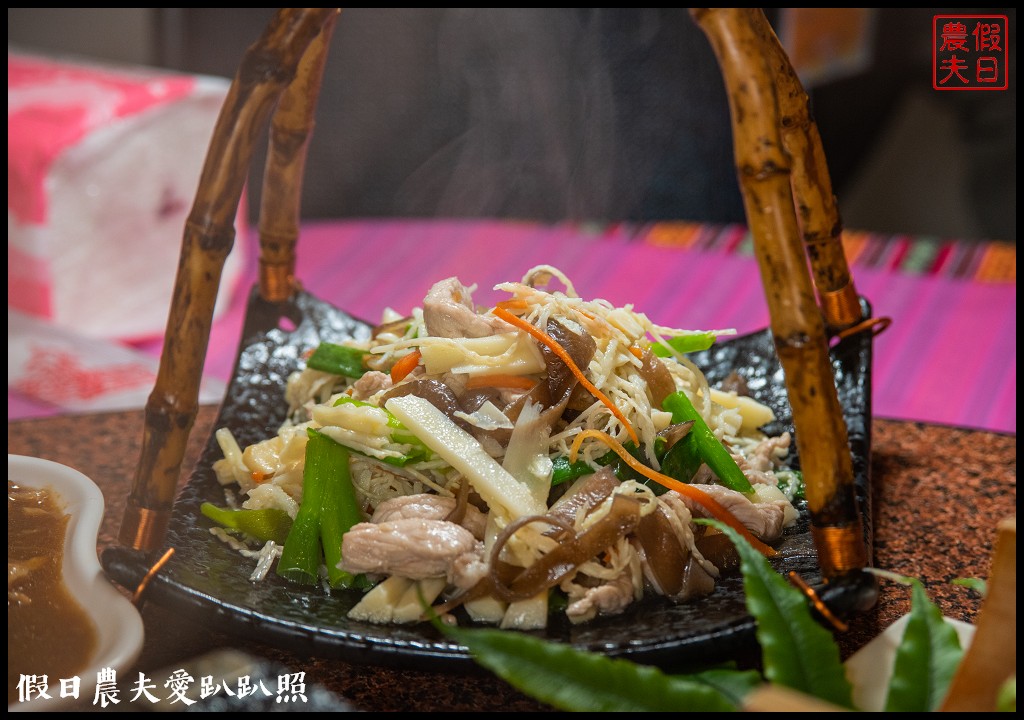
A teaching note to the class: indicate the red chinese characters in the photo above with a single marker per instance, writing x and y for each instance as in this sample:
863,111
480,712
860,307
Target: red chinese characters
969,52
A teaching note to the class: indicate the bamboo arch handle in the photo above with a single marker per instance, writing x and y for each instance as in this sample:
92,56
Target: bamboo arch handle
817,211
280,201
288,54
284,70
760,83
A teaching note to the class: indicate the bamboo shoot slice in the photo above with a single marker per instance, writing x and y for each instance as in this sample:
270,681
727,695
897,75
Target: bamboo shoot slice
498,488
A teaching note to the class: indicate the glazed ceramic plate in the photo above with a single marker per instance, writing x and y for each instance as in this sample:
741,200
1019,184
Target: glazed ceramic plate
119,630
207,580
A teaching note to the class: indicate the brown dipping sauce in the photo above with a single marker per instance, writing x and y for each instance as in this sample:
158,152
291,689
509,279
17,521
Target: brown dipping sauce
48,632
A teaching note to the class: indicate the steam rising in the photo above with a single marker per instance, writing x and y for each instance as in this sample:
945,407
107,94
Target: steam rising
540,115
532,113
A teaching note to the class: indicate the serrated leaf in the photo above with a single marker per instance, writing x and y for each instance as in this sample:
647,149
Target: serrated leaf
925,660
734,684
575,680
796,651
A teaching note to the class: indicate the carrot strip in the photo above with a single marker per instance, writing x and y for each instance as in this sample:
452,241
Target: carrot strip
637,352
513,304
405,366
558,350
521,382
712,505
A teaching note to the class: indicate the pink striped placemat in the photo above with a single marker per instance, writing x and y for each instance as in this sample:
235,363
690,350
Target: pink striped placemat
949,356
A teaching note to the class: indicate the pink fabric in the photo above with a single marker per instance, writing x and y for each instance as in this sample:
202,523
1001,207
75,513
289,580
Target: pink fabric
29,282
51,106
949,356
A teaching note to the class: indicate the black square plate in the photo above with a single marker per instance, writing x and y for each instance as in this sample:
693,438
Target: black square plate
205,580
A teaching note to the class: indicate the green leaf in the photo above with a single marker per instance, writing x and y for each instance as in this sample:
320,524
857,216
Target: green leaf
925,660
796,651
734,684
976,584
575,680
1006,701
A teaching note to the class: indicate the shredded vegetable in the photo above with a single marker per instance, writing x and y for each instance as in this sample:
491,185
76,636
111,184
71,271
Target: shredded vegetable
558,350
701,443
401,369
536,456
700,496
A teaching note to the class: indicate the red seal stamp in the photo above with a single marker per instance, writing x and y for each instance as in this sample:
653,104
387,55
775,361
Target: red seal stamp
969,52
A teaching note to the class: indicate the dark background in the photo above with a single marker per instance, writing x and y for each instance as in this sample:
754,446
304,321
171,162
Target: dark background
602,114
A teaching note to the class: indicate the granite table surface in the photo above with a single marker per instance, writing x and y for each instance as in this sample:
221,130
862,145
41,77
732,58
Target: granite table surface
938,493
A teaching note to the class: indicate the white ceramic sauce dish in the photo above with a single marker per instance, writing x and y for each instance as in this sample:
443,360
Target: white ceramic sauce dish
119,628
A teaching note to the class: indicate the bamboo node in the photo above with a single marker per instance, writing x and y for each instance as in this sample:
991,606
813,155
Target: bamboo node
793,341
840,549
290,138
768,169
143,528
841,307
211,237
277,282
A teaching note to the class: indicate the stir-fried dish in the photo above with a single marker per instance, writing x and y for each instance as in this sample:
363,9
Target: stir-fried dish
548,454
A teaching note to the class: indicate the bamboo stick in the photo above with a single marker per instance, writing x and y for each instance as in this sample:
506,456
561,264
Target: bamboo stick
281,200
817,210
267,69
796,322
991,659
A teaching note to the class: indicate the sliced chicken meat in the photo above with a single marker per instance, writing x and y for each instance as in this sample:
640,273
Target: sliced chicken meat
448,311
608,598
370,384
764,519
412,548
429,507
759,462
